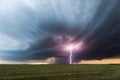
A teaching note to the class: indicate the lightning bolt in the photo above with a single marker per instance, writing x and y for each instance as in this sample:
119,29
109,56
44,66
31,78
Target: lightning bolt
70,56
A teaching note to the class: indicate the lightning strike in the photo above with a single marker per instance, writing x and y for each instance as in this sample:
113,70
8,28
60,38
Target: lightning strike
72,48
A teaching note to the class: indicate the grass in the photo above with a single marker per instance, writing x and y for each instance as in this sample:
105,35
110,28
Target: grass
59,72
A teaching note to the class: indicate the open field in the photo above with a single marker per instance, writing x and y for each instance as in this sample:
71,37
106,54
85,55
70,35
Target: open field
59,72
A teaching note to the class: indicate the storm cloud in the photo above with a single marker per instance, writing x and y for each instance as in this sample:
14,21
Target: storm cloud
37,30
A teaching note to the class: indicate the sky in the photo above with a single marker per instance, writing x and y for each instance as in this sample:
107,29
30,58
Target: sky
38,31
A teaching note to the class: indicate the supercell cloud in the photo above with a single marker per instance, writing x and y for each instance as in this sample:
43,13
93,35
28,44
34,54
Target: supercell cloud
38,30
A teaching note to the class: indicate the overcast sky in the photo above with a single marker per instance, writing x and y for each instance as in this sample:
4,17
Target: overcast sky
36,30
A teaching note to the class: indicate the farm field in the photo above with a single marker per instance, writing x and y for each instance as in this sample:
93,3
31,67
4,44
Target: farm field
60,72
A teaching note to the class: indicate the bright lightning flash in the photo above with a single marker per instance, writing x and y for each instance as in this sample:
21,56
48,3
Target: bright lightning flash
71,48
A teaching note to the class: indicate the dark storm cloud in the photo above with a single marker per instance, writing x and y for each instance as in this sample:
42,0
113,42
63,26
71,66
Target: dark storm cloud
105,39
53,23
101,35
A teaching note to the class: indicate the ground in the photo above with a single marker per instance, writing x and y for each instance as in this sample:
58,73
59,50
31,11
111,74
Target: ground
60,72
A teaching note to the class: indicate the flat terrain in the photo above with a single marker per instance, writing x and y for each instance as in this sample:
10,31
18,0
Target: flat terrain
59,72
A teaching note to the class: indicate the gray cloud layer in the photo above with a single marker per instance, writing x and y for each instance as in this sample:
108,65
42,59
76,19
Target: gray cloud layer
35,29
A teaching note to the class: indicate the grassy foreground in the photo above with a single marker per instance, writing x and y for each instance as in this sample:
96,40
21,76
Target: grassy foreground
59,72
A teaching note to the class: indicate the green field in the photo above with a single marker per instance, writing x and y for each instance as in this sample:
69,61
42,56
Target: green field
59,72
